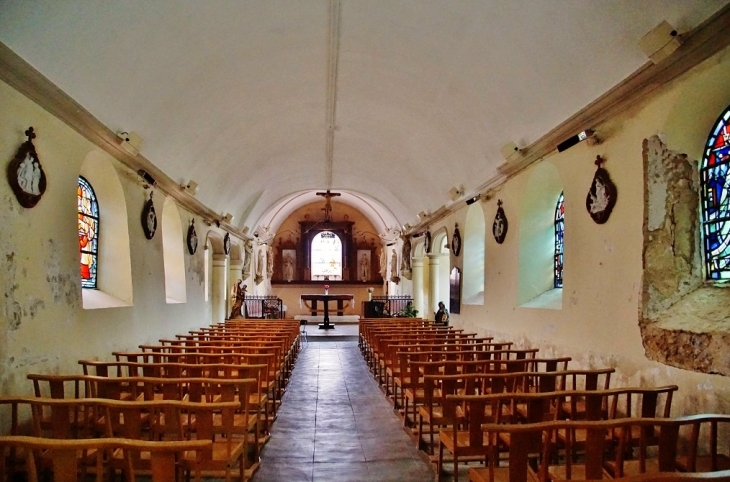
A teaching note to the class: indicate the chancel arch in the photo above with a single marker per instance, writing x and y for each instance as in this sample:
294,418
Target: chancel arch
536,282
173,253
114,277
474,256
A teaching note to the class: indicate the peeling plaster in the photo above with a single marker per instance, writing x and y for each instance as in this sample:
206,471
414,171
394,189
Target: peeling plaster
684,321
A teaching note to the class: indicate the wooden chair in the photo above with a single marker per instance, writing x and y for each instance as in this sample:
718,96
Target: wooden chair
63,454
705,438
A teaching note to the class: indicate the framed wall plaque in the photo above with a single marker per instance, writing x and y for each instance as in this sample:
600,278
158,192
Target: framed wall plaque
601,197
227,243
192,238
456,241
149,218
25,173
500,225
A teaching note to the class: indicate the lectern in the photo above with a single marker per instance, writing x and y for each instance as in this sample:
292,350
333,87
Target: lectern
325,299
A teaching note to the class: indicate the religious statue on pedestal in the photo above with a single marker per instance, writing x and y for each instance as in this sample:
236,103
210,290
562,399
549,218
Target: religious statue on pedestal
238,294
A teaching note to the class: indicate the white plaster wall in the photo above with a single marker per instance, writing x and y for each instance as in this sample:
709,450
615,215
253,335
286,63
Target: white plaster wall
598,323
43,327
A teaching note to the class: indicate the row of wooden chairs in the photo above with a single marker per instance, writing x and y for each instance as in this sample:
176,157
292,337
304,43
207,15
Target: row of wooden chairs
220,384
426,370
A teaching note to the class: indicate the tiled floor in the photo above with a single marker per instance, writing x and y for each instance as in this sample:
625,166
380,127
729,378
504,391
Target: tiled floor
335,425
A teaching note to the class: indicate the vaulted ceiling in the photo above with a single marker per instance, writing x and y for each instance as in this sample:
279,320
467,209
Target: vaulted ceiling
412,97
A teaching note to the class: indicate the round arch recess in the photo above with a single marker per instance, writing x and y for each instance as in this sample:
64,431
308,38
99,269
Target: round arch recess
475,230
537,239
114,282
173,253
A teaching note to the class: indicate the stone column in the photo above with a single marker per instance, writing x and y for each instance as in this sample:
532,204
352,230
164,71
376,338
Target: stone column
218,288
417,276
234,273
434,260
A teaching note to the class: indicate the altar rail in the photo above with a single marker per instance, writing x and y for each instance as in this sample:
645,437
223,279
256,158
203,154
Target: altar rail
264,307
392,305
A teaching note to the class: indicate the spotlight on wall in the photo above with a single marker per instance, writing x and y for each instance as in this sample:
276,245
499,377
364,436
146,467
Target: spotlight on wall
422,215
130,141
473,200
227,218
191,187
660,42
456,192
245,230
511,152
571,141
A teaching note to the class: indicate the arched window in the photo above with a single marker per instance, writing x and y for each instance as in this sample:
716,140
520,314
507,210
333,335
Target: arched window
716,199
88,219
559,230
326,256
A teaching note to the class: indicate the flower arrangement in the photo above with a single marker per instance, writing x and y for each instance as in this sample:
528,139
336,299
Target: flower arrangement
371,289
326,289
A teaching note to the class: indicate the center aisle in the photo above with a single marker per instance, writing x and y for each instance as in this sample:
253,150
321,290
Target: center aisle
335,424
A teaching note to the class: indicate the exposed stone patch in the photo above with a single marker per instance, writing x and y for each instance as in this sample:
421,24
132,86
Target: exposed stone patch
684,322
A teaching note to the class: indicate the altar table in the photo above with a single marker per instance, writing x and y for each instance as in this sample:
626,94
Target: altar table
313,299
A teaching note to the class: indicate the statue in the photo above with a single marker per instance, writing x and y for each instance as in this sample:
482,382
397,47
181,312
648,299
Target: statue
248,249
259,267
394,267
269,262
364,267
405,264
288,267
238,294
383,263
442,315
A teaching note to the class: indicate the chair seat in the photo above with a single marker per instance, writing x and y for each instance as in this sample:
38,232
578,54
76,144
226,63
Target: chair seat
633,467
577,472
501,474
704,463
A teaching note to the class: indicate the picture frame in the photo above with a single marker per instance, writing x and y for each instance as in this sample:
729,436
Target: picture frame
455,290
25,173
192,238
364,265
289,265
149,218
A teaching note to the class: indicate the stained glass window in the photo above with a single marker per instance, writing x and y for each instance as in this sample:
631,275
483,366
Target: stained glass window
715,201
88,211
559,230
326,256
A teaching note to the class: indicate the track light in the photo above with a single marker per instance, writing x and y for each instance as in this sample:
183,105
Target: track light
581,136
227,218
131,142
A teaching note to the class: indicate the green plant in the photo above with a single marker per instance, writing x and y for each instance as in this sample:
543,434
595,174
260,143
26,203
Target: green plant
408,312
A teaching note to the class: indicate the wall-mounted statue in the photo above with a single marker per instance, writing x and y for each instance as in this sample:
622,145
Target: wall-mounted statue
394,267
238,294
269,262
259,267
248,250
405,263
383,263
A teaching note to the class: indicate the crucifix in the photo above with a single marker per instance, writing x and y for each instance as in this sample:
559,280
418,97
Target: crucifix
327,206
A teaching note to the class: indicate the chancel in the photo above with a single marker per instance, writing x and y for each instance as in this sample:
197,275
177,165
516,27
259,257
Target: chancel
474,194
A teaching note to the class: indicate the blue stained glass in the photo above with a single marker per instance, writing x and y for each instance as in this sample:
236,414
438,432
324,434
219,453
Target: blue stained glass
559,233
715,202
88,224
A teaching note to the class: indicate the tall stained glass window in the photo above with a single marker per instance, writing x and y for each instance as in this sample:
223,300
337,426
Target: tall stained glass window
559,231
88,211
715,200
326,256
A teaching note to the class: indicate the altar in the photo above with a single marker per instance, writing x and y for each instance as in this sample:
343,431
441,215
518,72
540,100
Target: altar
311,301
